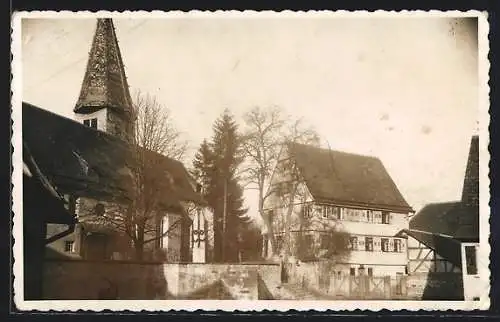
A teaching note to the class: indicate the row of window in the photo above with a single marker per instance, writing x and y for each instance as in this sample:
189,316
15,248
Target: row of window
339,213
361,271
371,244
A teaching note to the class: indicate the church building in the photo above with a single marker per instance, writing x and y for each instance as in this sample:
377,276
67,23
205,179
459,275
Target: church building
88,160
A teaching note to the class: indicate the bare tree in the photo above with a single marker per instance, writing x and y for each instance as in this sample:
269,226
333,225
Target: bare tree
155,130
267,130
155,138
261,144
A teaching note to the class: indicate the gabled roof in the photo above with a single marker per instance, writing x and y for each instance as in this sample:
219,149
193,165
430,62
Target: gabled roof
445,246
81,160
346,178
105,83
434,218
459,219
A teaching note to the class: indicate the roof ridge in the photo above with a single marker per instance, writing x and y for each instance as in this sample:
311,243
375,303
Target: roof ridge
338,175
67,119
323,149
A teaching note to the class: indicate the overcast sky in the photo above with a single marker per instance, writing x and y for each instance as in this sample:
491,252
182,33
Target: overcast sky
404,90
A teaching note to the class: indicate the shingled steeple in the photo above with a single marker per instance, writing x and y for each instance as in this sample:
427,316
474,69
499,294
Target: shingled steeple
470,192
104,100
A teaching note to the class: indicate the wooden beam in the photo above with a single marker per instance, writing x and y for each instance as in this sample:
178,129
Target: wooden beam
422,261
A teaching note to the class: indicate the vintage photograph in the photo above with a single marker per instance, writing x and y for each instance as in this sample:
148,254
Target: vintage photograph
335,159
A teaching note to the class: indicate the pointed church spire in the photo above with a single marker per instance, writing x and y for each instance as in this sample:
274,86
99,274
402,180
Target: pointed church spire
105,84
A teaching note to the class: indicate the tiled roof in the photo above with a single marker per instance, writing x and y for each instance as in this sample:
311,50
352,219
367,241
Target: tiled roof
81,160
434,218
346,178
459,219
105,83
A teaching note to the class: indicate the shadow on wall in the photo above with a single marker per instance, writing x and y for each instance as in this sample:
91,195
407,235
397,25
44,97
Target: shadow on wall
70,279
103,280
441,282
263,290
443,286
436,284
216,290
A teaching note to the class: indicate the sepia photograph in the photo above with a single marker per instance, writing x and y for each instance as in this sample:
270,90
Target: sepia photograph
314,160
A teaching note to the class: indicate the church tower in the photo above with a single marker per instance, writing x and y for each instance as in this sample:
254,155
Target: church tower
104,102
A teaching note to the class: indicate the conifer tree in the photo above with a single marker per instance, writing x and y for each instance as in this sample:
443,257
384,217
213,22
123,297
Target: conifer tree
203,168
216,165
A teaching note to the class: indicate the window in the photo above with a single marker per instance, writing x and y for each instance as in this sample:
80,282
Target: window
91,123
354,214
330,212
370,271
321,210
369,244
352,271
385,244
385,217
69,246
397,245
470,258
369,216
340,213
307,211
354,243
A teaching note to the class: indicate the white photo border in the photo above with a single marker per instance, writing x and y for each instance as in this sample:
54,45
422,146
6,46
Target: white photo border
259,305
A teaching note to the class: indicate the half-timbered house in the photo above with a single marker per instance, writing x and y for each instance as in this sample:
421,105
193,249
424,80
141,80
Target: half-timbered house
342,191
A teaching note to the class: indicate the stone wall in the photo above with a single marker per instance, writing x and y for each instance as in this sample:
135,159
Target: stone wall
127,280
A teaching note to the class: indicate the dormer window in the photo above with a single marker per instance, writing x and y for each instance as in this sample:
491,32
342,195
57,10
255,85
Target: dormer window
91,123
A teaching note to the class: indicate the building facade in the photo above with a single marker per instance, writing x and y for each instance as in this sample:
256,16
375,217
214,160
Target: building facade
337,192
